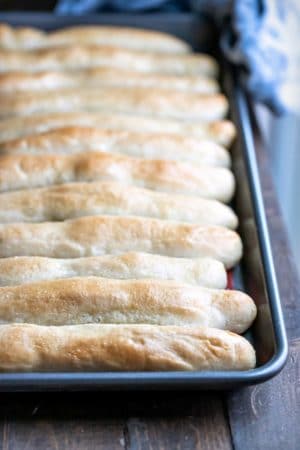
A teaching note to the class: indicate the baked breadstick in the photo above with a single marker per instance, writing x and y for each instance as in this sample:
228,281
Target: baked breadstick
25,347
85,57
100,235
13,82
141,145
205,272
138,100
222,132
29,171
67,201
83,300
131,38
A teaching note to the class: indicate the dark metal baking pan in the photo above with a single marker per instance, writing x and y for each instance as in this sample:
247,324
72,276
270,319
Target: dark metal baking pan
255,274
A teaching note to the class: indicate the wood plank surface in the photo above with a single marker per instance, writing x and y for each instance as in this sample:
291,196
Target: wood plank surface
135,421
178,420
60,421
267,416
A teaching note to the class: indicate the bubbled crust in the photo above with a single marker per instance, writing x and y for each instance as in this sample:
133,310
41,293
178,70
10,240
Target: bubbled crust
25,347
29,171
131,38
84,57
149,102
98,235
222,132
70,140
13,82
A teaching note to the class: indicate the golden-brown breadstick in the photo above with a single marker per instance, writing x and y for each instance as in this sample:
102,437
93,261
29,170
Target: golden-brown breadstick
73,301
29,171
133,265
25,347
222,131
100,235
83,57
67,201
70,140
146,102
131,38
13,82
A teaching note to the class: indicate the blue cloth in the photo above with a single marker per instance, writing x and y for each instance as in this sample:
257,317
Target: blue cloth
261,36
90,6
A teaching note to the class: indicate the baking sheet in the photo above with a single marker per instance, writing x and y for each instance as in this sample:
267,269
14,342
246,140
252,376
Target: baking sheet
255,275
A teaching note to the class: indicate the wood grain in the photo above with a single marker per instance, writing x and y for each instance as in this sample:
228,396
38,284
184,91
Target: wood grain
41,434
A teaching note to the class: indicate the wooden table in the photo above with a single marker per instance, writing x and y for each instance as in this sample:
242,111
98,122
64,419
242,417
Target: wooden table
266,416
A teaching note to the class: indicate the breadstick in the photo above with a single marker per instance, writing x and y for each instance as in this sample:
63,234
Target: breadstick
205,272
222,132
84,57
83,300
25,347
140,145
100,235
13,82
29,171
146,102
67,201
131,38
